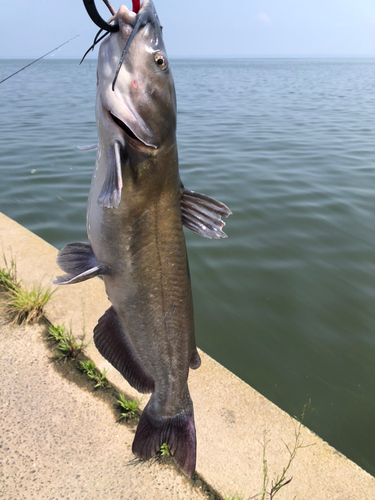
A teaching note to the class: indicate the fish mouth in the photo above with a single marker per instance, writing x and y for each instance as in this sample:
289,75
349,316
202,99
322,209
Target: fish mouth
133,139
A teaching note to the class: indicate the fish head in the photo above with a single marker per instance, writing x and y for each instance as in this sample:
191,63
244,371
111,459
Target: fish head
136,99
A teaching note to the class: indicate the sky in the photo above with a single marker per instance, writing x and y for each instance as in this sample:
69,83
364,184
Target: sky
200,28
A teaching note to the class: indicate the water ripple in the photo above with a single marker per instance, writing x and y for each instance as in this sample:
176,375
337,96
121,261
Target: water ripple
287,301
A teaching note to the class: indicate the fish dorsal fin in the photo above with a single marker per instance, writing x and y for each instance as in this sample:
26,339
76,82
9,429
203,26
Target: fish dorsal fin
110,195
202,214
111,342
79,263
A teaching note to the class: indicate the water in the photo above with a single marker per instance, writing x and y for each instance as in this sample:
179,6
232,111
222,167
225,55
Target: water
287,301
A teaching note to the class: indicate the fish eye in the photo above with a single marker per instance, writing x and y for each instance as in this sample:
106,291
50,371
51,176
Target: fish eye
161,60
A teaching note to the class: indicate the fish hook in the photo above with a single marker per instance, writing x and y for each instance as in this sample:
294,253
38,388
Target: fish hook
113,28
97,19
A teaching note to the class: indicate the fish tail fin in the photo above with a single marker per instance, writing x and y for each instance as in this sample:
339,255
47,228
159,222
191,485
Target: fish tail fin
177,432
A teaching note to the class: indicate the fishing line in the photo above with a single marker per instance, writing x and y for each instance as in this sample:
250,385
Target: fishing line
36,60
111,9
96,40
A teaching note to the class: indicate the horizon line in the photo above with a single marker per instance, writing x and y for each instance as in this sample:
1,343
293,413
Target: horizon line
235,56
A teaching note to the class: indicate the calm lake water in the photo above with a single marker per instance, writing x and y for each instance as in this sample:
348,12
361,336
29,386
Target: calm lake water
287,301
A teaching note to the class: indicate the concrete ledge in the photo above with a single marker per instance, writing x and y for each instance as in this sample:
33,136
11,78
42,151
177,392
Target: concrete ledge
230,416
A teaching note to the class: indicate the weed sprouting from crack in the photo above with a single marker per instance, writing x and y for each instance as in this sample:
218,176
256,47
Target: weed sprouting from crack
164,450
8,273
27,306
92,372
68,346
163,456
269,491
24,306
129,409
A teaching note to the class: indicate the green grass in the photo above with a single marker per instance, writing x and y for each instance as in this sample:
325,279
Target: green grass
27,306
8,274
163,456
164,450
129,409
23,305
68,346
92,372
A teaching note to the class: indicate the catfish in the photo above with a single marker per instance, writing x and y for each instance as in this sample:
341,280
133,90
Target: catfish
137,208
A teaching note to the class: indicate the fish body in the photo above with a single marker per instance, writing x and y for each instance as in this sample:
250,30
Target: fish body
136,209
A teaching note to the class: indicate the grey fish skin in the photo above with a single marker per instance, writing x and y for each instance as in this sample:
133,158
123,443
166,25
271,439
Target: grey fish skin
136,209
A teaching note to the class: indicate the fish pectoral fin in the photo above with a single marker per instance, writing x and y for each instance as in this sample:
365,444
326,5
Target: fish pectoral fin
178,432
79,263
110,340
202,214
110,195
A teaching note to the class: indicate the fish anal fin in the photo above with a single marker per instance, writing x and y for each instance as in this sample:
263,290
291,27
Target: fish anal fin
202,214
110,195
178,432
79,263
111,342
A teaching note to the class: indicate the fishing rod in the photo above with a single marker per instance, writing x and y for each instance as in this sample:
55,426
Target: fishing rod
36,60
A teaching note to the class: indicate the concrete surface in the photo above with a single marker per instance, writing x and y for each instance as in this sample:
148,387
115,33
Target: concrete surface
231,417
59,441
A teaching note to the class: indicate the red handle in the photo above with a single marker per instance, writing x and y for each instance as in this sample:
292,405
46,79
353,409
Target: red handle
136,6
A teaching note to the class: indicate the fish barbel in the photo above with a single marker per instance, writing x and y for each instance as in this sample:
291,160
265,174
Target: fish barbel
136,209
